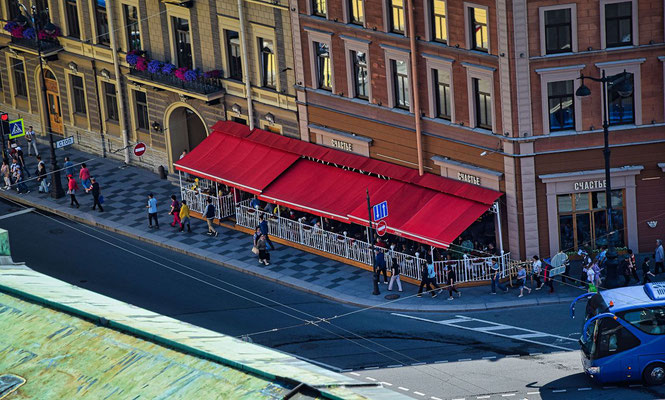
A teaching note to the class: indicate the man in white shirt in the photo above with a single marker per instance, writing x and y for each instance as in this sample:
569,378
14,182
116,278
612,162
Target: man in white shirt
31,137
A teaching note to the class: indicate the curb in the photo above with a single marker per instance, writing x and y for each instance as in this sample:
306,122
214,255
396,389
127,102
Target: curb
343,299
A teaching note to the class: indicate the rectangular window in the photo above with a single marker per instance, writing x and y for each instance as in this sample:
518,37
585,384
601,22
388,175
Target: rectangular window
78,94
323,67
71,11
132,27
110,102
442,93
14,10
483,99
360,78
268,75
397,16
619,24
401,83
233,54
621,108
102,23
357,11
183,43
141,110
560,105
558,31
439,32
20,88
478,24
319,7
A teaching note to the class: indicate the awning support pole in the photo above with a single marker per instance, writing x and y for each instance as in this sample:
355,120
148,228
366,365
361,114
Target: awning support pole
498,225
182,192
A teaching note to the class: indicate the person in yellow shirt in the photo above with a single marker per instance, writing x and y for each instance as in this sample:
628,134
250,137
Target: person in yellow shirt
184,216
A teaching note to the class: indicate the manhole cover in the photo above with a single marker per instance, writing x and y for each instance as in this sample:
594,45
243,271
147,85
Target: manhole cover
56,231
391,297
10,383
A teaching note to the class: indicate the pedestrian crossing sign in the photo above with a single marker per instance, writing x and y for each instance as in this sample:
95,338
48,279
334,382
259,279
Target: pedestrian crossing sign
16,128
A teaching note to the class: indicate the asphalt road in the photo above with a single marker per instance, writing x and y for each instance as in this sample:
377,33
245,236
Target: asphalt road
426,355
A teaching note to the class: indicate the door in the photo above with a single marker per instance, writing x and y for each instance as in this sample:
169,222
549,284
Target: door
53,98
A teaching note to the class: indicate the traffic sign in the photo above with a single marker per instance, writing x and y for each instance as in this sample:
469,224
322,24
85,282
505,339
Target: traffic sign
64,142
139,149
381,228
16,128
380,211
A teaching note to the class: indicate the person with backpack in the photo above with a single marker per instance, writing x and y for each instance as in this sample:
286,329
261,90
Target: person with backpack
184,216
209,214
175,211
536,270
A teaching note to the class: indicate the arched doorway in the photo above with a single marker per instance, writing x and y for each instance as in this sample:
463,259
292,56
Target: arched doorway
53,99
186,130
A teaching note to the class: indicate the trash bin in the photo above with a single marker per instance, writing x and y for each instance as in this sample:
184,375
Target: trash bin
162,172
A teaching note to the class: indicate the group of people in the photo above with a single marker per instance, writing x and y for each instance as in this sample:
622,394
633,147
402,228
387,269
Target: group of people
88,182
14,169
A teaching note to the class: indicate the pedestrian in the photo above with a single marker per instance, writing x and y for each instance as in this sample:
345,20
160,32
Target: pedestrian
72,186
646,271
624,267
380,263
394,273
451,278
602,257
31,137
597,280
175,211
591,279
586,265
21,187
633,265
69,167
41,178
536,270
548,278
521,280
255,203
84,176
263,224
152,211
184,216
425,280
182,155
209,214
659,257
6,175
21,160
95,189
262,246
495,279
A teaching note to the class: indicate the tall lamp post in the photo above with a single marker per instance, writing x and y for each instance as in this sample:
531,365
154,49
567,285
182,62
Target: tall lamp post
624,89
56,184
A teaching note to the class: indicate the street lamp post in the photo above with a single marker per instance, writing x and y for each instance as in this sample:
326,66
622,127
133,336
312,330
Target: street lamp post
624,89
56,184
375,275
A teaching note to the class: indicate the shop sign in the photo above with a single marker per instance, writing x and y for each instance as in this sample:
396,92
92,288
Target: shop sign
593,184
468,178
346,146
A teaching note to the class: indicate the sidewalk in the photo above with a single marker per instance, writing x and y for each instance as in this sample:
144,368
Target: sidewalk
125,190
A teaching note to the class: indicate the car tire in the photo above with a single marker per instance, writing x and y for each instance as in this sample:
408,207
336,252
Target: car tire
654,374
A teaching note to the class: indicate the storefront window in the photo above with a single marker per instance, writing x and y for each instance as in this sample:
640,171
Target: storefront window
583,219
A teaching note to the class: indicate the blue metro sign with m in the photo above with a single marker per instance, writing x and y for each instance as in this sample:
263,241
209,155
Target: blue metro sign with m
380,211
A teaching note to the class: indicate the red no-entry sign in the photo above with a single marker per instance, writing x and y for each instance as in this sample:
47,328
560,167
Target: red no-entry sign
381,228
139,149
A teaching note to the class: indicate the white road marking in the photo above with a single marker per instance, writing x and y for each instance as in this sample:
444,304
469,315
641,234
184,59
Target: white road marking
436,398
440,362
402,388
419,394
482,397
584,388
418,363
559,391
493,328
489,358
464,359
535,354
371,368
14,214
395,366
369,378
386,383
354,373
508,395
532,392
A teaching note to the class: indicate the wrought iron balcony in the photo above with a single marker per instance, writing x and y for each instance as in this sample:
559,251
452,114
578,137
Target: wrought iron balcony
209,88
48,47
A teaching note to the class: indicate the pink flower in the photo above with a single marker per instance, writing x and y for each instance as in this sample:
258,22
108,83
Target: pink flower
141,64
180,73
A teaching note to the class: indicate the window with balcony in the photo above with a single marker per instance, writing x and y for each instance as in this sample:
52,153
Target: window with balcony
401,83
439,30
619,24
397,16
78,94
558,31
323,66
102,21
268,74
132,27
357,12
183,43
72,17
319,8
110,102
442,93
561,105
482,97
360,76
141,110
233,54
621,108
20,85
478,29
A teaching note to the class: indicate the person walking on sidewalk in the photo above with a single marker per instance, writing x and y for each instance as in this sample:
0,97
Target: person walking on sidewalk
263,224
380,262
633,265
41,178
495,279
175,211
451,278
31,137
184,216
72,187
209,214
536,270
261,245
6,175
394,273
659,257
428,279
646,271
21,160
96,194
547,275
21,187
69,167
84,176
152,211
521,280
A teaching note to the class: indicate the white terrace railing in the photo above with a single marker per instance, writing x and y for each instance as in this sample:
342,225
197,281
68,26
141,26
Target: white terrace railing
197,201
467,269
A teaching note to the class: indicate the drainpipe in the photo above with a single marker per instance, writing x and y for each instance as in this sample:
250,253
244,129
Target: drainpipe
118,77
414,83
245,66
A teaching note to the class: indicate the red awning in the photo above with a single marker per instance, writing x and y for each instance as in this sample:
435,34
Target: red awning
231,128
321,189
287,144
236,162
